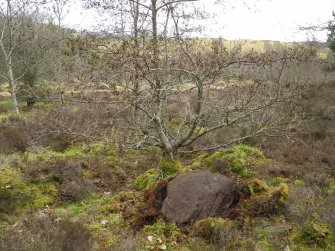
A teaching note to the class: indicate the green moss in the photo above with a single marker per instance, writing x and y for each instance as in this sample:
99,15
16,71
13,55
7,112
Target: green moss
102,215
236,160
42,194
265,237
11,178
120,171
199,161
278,180
163,228
162,235
257,186
11,185
170,167
167,169
37,195
211,222
300,182
77,150
79,208
264,245
5,226
282,192
147,180
316,235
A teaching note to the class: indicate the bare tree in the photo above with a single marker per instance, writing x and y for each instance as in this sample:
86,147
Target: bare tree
191,87
9,14
58,9
17,31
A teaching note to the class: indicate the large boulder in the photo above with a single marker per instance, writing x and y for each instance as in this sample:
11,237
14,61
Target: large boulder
198,194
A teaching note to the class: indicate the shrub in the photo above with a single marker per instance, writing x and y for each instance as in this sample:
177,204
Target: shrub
3,108
44,233
318,180
59,142
58,127
75,189
301,204
12,140
58,170
328,213
216,230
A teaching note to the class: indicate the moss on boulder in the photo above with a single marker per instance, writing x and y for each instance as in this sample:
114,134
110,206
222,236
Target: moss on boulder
167,169
236,160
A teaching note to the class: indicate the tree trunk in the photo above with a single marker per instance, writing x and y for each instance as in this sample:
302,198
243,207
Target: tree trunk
12,86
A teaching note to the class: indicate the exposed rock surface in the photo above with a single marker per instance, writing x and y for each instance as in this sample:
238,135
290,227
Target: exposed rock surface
197,195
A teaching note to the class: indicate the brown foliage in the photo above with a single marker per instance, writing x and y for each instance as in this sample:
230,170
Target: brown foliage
13,139
42,232
59,127
154,200
3,108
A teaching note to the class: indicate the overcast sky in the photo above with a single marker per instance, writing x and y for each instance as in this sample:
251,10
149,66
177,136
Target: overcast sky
250,19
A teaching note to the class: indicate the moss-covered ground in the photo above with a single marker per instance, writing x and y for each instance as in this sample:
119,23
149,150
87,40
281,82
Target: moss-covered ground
32,186
94,196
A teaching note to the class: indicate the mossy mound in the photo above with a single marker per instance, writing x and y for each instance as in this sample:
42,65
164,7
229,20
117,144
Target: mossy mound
236,160
256,186
316,236
42,194
16,193
167,169
147,180
11,190
264,200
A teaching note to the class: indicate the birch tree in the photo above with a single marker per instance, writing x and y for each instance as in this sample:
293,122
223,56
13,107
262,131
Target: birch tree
10,14
20,42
